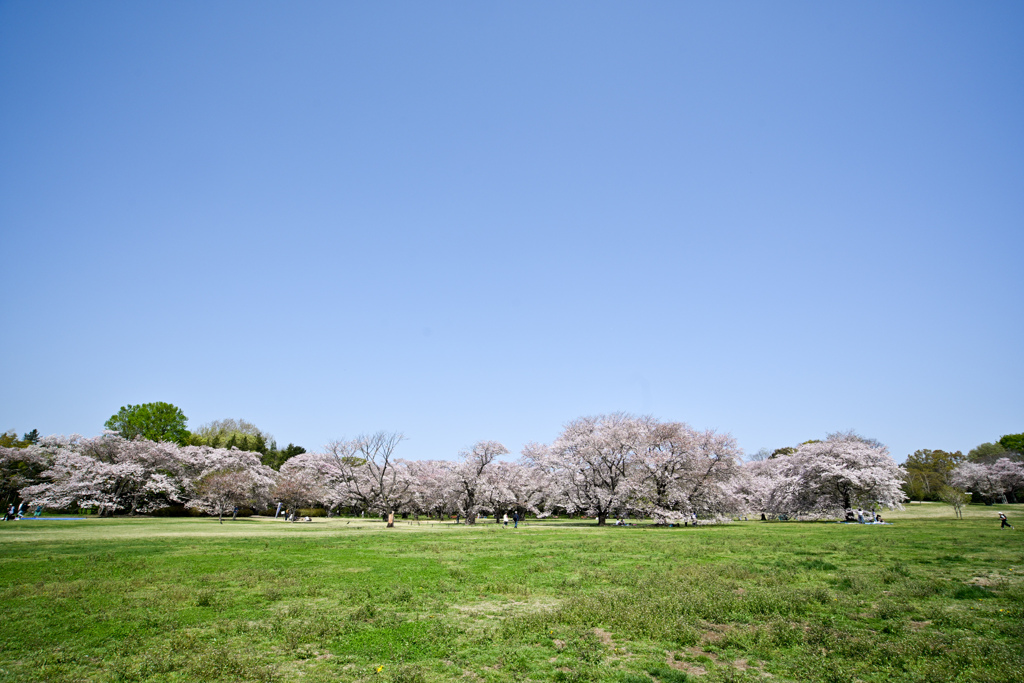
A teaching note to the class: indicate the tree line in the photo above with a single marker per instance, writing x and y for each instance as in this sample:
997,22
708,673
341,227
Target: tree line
601,466
991,472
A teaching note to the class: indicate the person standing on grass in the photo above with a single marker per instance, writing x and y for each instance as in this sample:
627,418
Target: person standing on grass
504,519
1003,521
860,516
515,519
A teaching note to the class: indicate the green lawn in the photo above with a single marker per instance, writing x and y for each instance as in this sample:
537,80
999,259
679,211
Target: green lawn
929,598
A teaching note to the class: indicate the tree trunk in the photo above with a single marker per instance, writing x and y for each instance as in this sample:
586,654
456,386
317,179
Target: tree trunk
602,517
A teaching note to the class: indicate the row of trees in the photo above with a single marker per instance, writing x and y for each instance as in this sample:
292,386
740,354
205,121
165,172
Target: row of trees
602,466
113,474
992,472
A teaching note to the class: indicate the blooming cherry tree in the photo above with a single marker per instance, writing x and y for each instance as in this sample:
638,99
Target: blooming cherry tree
371,475
992,481
591,463
827,477
470,476
680,471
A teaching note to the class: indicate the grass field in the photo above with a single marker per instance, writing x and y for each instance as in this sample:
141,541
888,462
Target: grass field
929,598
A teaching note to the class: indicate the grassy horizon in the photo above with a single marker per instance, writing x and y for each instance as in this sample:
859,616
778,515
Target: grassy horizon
174,599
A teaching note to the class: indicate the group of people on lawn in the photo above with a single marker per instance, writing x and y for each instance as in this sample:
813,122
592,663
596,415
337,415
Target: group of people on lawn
863,517
15,511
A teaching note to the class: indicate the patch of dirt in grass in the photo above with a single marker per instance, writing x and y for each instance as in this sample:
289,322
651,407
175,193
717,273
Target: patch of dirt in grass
920,625
698,652
685,667
489,609
987,581
484,608
604,637
716,632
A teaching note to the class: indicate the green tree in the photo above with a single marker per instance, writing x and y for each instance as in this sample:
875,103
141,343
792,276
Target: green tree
245,436
1013,442
9,439
31,437
928,471
230,433
955,498
275,458
154,421
986,453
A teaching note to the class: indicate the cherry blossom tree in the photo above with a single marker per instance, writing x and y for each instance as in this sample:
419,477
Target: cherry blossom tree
591,463
107,472
19,469
826,477
115,474
1010,475
470,476
371,475
517,486
306,479
434,489
200,462
227,489
990,481
680,471
759,487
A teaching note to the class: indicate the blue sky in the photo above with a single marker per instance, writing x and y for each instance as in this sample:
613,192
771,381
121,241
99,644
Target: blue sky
473,221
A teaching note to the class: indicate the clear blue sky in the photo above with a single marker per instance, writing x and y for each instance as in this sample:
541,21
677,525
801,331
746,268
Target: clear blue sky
480,220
